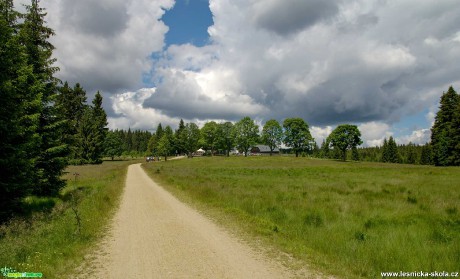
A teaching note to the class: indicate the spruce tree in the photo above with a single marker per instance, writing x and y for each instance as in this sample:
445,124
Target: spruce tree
385,155
71,105
393,154
100,130
444,130
91,133
456,135
179,145
19,91
426,155
50,156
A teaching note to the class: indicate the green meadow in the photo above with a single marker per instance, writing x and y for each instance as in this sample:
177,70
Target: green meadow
349,219
48,239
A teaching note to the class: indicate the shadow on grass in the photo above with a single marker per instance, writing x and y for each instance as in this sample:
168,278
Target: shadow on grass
33,204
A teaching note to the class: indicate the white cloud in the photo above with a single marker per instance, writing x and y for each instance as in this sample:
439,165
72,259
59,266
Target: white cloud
389,57
131,113
105,45
421,137
373,133
320,133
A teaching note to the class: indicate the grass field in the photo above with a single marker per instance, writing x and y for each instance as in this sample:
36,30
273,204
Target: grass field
48,239
344,218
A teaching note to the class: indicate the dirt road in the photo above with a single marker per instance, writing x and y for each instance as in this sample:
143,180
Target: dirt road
156,236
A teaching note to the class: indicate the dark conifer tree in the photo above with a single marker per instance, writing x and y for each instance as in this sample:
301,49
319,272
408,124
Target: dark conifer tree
178,144
444,130
426,157
71,104
393,154
100,128
51,155
385,151
19,114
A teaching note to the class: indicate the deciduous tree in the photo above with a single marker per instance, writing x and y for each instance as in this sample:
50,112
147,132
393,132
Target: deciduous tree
246,134
226,138
191,138
210,136
345,137
297,135
272,134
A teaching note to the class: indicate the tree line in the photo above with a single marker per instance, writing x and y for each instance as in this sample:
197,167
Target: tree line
44,124
222,138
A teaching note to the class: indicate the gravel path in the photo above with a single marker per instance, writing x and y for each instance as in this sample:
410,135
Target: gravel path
156,236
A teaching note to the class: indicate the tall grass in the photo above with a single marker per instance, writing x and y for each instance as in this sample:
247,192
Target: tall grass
349,219
48,239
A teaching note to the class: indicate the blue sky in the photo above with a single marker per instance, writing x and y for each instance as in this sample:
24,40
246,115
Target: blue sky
381,65
188,22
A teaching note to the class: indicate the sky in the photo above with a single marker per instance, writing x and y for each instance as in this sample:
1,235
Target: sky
381,65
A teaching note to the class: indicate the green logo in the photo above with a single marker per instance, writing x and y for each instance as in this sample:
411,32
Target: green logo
9,272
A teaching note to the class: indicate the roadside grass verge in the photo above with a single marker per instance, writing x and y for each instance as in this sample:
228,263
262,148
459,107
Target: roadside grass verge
48,239
350,219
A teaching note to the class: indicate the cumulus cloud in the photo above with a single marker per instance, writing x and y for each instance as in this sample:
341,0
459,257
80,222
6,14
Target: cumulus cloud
130,112
353,61
106,44
329,62
320,133
421,137
373,133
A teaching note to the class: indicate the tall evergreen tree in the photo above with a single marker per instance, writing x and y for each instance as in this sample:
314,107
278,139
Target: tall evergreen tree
385,153
71,104
178,143
19,113
456,135
393,154
92,132
51,155
443,139
100,129
426,155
